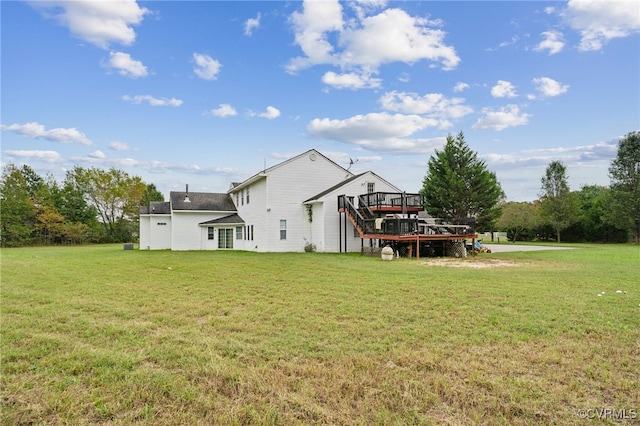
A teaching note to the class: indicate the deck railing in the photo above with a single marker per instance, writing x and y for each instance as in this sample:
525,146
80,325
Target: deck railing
392,199
368,224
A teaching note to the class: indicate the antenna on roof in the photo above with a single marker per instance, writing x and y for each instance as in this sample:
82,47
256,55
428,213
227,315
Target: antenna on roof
186,195
351,163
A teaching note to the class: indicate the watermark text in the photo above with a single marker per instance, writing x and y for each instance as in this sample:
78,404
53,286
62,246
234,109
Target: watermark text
608,413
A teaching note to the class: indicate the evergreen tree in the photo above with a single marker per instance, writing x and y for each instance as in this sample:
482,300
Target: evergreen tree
151,193
625,185
458,185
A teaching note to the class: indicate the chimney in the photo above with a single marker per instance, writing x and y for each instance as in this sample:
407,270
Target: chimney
186,196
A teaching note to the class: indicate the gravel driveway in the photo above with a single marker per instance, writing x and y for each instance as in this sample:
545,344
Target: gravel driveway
501,248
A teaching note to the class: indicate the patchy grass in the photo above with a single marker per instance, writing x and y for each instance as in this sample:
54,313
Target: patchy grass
101,335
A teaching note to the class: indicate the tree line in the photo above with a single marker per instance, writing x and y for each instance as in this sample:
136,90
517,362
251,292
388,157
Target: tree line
458,185
90,205
93,205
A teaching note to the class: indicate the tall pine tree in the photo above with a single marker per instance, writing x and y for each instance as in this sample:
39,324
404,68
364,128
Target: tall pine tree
458,185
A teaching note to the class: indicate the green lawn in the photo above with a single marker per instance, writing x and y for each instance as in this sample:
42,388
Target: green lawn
98,334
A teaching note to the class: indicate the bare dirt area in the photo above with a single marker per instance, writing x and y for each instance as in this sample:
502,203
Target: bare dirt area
470,263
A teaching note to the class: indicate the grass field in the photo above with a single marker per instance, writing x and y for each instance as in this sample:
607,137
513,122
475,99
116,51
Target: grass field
99,335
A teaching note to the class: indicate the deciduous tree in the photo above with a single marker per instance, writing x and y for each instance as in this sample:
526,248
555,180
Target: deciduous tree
114,194
18,212
558,206
625,184
517,217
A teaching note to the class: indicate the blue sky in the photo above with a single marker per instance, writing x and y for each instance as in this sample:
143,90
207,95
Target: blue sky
209,92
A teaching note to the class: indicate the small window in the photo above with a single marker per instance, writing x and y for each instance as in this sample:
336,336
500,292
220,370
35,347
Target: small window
210,232
238,232
371,187
247,195
283,229
237,198
162,223
251,232
242,197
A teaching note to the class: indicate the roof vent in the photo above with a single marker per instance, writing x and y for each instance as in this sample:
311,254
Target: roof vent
186,195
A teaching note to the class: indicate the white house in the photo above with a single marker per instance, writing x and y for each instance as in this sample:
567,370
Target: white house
282,208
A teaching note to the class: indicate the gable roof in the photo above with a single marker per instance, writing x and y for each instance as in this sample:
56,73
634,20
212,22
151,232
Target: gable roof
265,172
333,188
199,201
344,182
231,219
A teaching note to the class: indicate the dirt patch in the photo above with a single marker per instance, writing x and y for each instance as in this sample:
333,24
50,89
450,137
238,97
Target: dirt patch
470,263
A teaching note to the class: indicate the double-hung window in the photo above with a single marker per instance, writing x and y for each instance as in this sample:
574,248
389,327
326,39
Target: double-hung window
283,229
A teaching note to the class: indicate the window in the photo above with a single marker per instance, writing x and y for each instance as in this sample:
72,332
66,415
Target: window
162,223
371,187
238,232
247,195
210,232
237,198
225,238
242,197
283,229
251,232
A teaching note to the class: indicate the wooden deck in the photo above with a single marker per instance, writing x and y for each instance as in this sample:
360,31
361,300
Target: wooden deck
393,218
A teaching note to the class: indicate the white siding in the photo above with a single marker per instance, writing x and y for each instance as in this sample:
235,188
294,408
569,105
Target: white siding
160,235
331,221
187,233
288,186
144,233
153,235
255,213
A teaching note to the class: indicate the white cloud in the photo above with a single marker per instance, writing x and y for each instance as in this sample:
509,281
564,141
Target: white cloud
509,116
152,100
395,36
206,68
224,110
46,156
37,130
460,86
350,80
98,154
118,146
599,21
251,24
270,113
552,42
366,42
378,131
431,104
126,65
503,89
549,87
97,22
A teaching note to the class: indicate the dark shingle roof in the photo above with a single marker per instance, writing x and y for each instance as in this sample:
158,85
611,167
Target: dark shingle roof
233,218
334,187
156,207
201,201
